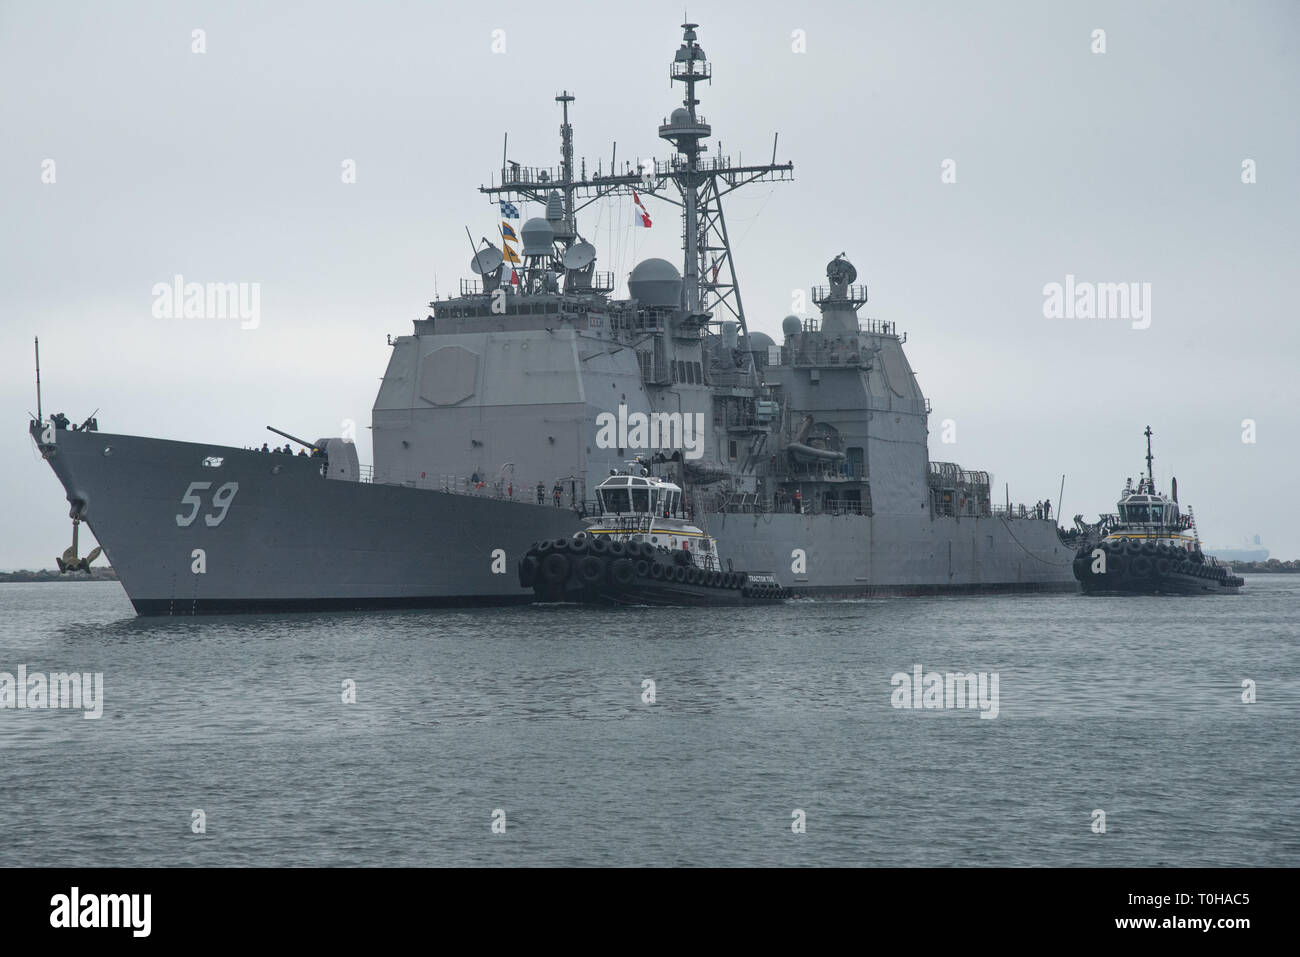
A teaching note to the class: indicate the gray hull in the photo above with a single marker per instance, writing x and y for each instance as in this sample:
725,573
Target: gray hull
293,540
861,556
290,539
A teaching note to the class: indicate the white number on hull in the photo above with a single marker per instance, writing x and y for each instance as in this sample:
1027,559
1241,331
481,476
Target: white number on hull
221,500
193,501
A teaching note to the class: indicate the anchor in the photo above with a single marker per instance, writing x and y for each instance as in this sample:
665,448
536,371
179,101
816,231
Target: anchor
70,562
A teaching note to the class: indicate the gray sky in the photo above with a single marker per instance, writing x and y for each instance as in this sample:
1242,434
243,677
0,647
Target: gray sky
225,166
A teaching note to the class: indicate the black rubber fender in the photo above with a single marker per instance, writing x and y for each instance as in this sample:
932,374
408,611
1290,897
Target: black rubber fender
622,572
591,570
555,568
528,566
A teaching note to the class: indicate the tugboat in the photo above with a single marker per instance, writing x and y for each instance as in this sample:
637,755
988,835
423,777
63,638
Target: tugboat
643,549
1150,547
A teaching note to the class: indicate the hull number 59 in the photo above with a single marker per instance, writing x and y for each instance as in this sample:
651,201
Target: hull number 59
221,500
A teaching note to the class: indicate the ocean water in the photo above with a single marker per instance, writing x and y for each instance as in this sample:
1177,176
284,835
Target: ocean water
1131,706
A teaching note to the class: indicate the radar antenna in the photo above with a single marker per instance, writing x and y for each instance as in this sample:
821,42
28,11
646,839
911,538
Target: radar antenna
709,273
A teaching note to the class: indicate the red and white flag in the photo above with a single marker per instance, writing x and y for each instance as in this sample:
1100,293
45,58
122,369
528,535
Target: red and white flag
642,214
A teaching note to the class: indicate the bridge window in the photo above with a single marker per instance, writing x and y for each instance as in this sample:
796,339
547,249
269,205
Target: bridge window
614,500
640,500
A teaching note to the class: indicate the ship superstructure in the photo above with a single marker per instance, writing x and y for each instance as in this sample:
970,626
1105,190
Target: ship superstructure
516,375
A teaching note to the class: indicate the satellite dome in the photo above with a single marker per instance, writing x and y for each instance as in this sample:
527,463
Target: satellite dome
758,342
791,325
538,236
655,282
680,116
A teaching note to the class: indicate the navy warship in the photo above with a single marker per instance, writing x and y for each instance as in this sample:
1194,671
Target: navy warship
501,411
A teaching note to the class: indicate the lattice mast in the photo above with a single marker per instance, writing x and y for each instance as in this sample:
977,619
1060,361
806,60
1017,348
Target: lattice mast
709,269
702,184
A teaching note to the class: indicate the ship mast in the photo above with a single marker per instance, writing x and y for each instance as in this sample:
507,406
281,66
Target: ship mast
1151,479
709,270
685,130
566,169
702,184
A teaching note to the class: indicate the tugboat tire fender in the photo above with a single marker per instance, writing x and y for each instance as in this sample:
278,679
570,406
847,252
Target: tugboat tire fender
527,571
622,572
591,570
555,568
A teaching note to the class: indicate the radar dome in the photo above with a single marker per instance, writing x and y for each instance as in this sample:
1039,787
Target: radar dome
538,236
655,282
758,342
791,325
680,116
